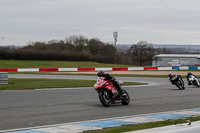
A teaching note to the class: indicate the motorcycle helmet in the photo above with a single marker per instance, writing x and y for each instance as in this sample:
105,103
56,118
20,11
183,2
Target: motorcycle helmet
100,73
169,74
189,73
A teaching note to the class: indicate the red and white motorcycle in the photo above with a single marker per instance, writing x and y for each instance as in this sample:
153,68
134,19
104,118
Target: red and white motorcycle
108,93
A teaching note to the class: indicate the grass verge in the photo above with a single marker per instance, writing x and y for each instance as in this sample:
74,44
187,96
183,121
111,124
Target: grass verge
24,84
90,74
143,126
53,64
93,73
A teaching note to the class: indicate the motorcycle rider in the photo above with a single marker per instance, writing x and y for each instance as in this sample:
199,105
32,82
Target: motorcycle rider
188,76
110,78
170,76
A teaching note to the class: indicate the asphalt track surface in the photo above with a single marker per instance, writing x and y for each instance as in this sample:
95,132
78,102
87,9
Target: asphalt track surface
30,108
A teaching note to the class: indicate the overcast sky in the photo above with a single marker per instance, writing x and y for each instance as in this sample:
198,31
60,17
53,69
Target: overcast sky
154,21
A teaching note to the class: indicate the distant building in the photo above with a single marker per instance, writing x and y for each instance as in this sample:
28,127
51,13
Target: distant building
176,60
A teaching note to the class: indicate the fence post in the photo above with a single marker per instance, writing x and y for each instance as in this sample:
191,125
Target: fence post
3,78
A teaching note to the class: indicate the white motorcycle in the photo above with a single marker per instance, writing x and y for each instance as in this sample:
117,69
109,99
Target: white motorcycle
192,80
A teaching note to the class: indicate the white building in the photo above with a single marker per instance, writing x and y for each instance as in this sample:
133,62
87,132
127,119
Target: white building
176,60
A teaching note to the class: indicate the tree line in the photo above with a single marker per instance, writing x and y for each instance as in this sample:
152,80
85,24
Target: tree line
80,48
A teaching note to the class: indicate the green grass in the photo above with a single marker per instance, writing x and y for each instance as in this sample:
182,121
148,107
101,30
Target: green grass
53,64
94,74
24,84
142,126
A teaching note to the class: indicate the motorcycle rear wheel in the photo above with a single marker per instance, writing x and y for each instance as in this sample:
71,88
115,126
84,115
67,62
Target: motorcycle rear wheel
105,98
125,98
179,85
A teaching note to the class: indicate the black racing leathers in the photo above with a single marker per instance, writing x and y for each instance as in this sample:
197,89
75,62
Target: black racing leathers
112,79
179,78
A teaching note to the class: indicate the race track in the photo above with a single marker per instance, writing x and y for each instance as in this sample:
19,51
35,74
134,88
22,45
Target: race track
30,108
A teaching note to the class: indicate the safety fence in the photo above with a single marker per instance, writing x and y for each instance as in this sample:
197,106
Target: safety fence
97,69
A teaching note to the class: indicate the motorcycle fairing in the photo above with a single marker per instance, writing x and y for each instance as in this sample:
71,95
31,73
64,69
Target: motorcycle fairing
110,87
107,85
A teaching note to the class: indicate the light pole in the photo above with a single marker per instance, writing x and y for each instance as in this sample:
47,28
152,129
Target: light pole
115,34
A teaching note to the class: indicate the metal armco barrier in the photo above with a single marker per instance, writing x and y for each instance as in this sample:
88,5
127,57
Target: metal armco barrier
3,78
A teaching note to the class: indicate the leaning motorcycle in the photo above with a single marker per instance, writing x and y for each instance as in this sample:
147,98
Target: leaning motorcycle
178,82
108,94
192,80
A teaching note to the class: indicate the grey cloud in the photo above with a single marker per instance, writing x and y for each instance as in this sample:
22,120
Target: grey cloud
155,21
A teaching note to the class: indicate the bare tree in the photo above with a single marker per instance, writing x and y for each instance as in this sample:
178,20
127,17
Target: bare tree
80,42
94,46
141,53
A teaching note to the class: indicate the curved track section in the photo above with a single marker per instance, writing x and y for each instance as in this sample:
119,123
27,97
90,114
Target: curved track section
29,108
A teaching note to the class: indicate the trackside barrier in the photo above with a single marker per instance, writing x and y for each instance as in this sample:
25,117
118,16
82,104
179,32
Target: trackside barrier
104,69
3,78
28,70
86,69
164,68
183,68
193,68
67,69
48,69
120,69
150,68
175,68
97,69
135,68
8,70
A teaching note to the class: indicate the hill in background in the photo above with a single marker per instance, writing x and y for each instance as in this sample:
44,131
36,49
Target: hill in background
173,47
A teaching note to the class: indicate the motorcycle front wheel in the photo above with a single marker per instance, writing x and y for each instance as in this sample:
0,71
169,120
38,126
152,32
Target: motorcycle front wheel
125,98
105,98
196,83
